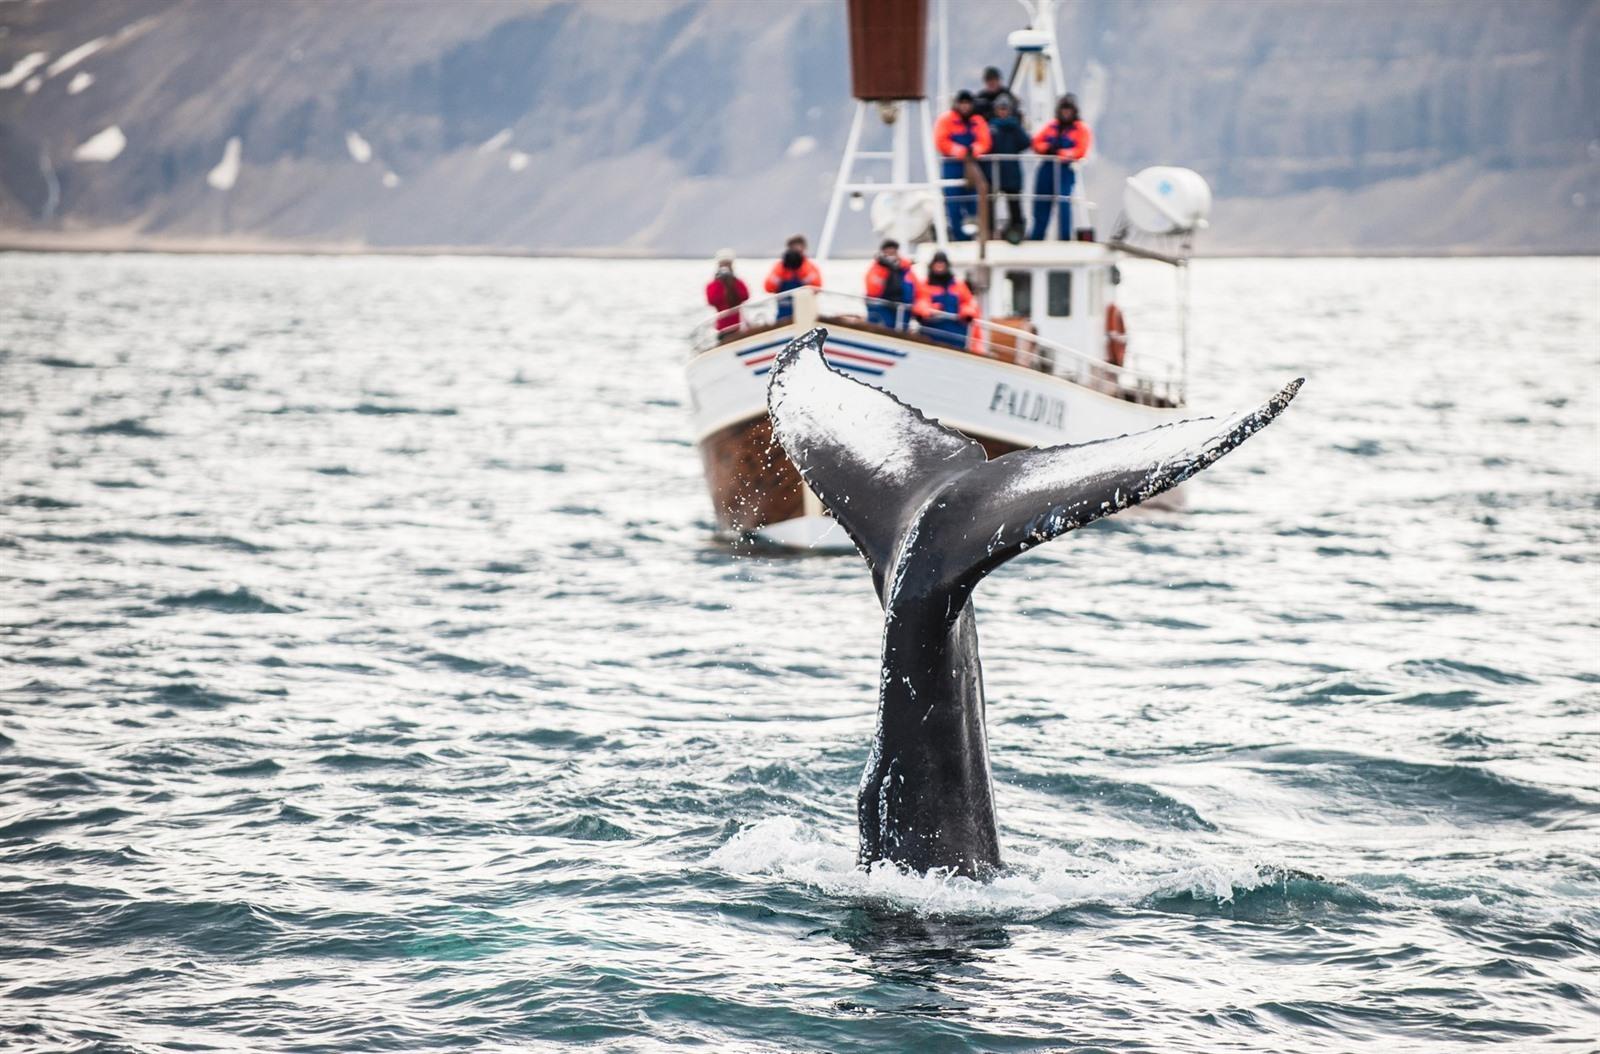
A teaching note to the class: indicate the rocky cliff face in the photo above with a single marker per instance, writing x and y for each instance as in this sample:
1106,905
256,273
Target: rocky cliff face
674,127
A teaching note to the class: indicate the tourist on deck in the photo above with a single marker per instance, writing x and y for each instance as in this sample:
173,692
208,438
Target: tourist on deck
725,292
945,307
960,133
993,86
1006,136
1063,141
792,271
891,288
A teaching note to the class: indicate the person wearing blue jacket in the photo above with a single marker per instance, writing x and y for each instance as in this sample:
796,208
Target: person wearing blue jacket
1006,136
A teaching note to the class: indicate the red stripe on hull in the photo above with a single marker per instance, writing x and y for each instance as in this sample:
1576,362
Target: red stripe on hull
855,357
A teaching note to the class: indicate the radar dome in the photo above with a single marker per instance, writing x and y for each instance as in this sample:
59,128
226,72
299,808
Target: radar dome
1167,200
1028,41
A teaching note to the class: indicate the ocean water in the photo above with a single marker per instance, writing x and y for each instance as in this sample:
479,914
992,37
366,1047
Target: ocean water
370,680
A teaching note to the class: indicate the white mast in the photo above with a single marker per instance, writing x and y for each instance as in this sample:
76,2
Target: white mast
889,80
1039,72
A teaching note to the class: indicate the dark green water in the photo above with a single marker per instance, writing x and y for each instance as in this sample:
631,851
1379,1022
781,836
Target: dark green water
369,681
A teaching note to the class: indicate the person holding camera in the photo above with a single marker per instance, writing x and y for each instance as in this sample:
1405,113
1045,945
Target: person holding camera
725,292
792,271
891,287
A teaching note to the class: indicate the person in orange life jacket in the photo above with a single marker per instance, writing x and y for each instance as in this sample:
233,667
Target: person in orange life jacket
891,287
725,292
1006,136
960,133
1062,141
792,271
944,304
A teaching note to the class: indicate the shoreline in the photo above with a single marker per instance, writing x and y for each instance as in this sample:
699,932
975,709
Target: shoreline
96,244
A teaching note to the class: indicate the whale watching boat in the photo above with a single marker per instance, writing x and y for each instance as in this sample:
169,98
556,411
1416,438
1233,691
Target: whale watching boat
1047,361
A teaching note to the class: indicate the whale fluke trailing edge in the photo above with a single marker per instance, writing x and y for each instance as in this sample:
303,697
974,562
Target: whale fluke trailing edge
932,516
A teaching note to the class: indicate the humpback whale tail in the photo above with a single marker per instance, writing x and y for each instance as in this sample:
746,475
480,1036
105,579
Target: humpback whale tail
903,486
932,516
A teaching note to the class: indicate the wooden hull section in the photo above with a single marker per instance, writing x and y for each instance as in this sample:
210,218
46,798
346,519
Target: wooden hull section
752,482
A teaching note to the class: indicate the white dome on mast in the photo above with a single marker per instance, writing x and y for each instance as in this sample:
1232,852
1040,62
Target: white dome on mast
1164,199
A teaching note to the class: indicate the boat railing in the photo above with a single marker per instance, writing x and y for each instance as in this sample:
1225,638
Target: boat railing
737,321
1025,196
988,165
1156,385
995,340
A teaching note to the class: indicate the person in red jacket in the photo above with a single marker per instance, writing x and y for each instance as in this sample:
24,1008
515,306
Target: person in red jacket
891,287
725,292
945,307
1062,141
792,271
959,134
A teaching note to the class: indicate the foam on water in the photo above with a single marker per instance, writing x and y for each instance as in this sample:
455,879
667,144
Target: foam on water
1033,885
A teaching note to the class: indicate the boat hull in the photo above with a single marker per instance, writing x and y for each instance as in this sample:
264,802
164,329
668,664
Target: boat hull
1003,406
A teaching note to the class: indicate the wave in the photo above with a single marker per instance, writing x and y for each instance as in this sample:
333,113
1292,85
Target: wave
1454,670
376,409
40,501
1137,801
1460,791
240,601
263,767
585,828
548,737
354,761
221,541
488,667
191,696
127,426
32,827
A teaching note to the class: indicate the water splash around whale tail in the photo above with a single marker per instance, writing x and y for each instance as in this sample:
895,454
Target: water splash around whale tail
908,489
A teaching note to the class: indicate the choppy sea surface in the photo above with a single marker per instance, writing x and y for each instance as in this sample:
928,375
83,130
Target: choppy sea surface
370,680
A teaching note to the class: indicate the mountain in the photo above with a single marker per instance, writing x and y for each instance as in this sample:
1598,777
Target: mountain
673,127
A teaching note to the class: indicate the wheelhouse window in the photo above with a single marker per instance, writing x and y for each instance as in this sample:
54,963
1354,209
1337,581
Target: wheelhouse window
1059,302
1021,283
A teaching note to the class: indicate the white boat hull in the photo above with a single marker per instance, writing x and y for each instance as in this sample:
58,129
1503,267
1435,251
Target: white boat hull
982,397
1003,406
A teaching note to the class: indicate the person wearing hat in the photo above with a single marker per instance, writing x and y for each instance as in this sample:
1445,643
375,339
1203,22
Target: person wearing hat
725,292
792,271
1063,141
891,287
959,134
983,101
1007,136
945,307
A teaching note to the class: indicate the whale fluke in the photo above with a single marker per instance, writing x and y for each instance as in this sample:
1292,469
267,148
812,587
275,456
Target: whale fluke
872,459
932,516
